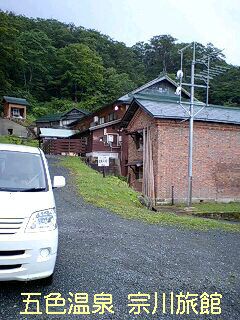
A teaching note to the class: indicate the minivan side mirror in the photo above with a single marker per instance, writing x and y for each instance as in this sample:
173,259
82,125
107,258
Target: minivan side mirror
58,182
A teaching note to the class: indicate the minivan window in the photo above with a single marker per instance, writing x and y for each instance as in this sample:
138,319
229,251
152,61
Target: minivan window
21,171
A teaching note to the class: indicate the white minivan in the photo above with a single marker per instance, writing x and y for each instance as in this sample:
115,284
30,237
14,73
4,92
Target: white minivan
28,223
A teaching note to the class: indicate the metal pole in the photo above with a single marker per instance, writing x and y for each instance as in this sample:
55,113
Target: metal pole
190,153
208,75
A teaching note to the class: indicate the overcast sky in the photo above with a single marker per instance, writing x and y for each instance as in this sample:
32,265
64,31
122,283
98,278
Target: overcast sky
130,21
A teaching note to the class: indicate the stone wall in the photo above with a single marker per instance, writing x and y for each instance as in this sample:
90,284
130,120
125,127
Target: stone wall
16,129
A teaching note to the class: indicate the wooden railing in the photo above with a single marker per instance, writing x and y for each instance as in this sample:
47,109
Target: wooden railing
64,146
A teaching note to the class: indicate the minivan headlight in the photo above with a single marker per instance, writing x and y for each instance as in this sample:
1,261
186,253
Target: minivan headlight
44,220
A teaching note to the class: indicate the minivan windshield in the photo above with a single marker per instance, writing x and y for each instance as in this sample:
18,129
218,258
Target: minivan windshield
21,171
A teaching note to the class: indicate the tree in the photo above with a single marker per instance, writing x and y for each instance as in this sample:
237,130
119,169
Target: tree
48,61
38,55
116,84
79,72
10,53
225,89
158,55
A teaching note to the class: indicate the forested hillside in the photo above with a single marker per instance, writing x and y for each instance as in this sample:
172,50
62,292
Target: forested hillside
55,65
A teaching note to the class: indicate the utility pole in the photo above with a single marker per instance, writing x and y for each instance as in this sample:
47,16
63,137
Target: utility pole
190,147
205,76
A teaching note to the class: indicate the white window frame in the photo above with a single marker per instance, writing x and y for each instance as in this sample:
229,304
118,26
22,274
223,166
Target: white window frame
101,120
15,112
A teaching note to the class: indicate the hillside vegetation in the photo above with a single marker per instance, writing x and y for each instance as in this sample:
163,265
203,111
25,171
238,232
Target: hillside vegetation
54,64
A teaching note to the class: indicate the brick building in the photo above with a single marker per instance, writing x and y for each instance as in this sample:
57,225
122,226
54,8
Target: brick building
145,134
157,133
102,129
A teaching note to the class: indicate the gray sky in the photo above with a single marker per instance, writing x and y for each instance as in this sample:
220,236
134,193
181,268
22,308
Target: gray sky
130,21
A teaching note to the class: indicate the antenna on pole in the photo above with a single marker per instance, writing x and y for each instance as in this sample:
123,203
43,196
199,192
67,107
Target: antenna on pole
205,75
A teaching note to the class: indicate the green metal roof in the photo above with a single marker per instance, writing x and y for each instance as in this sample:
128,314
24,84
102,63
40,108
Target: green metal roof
155,97
141,90
16,100
50,117
59,116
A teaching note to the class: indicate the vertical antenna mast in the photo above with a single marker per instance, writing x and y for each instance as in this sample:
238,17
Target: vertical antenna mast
190,151
205,76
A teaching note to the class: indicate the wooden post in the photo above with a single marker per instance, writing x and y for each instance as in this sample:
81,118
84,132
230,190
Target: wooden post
103,171
148,170
172,195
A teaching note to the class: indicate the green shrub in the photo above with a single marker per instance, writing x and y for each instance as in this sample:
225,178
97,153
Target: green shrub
17,140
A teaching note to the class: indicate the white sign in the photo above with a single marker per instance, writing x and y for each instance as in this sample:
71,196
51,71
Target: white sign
109,138
103,161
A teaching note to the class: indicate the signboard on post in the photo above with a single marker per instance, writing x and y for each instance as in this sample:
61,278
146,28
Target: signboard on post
103,161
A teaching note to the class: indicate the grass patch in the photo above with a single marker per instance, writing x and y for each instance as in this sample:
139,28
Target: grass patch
228,211
17,140
115,195
231,207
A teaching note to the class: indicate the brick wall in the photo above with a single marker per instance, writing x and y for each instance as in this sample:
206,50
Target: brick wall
216,161
216,158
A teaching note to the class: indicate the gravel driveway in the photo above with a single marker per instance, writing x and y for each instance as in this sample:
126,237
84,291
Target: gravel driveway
101,252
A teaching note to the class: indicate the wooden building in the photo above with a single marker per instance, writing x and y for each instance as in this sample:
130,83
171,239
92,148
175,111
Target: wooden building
102,130
14,114
14,108
60,120
102,135
60,142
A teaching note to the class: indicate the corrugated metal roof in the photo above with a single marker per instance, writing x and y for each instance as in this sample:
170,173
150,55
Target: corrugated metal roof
16,100
172,110
56,133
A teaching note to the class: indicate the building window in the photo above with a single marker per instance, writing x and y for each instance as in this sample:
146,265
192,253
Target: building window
139,173
112,116
101,120
110,138
10,132
66,122
139,141
85,140
15,112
